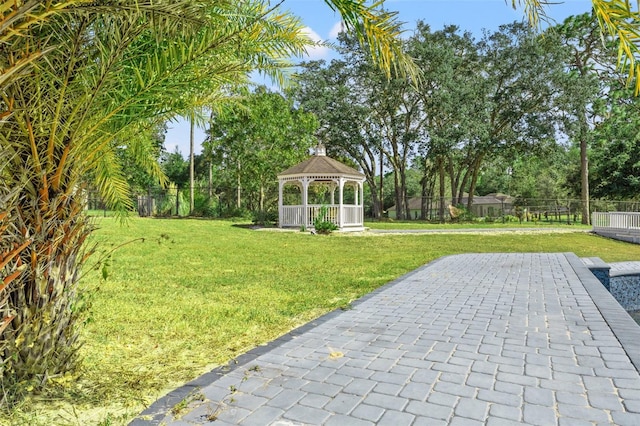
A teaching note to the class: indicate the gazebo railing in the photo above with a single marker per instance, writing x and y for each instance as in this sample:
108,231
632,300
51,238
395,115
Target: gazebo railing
353,215
313,211
291,215
294,215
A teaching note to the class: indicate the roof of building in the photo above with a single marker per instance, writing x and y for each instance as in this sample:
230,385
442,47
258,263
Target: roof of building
320,164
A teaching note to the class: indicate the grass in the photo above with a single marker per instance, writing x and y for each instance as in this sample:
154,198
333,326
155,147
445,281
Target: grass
186,295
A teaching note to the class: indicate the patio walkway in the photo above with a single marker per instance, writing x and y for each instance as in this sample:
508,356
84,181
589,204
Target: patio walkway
495,339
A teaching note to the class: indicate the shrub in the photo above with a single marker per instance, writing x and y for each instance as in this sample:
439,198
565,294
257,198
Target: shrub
321,224
265,218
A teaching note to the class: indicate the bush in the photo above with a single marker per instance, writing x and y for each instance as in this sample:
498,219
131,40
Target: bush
265,218
321,224
324,227
203,206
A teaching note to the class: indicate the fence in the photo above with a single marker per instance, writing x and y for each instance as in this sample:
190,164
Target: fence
616,220
623,226
488,207
174,201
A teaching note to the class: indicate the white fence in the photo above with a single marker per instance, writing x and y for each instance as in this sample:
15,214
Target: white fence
618,225
294,215
616,221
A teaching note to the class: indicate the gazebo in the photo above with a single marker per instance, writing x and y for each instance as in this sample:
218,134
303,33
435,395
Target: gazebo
306,188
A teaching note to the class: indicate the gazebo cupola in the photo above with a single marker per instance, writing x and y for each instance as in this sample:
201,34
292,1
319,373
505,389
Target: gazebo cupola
306,187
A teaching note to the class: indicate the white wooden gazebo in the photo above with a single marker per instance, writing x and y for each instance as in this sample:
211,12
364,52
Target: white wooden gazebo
306,187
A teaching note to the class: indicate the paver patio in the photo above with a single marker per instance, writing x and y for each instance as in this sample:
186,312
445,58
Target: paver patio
469,339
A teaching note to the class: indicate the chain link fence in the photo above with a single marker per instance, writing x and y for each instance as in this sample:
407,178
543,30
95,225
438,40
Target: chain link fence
174,201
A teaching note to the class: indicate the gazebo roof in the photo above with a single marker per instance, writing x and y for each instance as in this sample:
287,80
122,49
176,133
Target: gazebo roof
320,164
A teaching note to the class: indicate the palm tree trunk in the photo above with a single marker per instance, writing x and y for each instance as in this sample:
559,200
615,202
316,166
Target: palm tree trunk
41,341
191,167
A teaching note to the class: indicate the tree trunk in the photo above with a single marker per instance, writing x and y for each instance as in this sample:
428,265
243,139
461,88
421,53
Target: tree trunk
425,193
400,210
238,186
453,181
41,340
375,202
441,173
584,177
403,192
381,211
463,185
474,180
191,167
261,202
210,192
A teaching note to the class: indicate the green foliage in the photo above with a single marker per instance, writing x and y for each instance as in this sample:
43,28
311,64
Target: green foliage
465,215
615,152
103,76
204,206
474,101
265,218
175,168
173,203
321,224
138,178
254,139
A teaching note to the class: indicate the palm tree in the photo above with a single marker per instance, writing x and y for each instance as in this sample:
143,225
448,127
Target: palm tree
107,73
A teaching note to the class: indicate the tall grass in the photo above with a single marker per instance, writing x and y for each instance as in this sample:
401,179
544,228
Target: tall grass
183,296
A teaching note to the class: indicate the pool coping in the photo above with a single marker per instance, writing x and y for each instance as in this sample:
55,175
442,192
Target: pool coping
626,330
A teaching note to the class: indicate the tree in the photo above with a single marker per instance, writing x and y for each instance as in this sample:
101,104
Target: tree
175,168
450,99
371,118
589,76
472,101
345,128
257,138
109,72
616,18
523,75
616,150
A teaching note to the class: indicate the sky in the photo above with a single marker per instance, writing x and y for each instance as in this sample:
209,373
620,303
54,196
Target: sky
324,24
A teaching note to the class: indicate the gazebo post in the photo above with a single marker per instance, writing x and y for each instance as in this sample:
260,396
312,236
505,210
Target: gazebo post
280,201
340,207
305,200
333,193
361,201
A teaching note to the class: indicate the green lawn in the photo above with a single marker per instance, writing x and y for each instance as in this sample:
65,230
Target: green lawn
186,295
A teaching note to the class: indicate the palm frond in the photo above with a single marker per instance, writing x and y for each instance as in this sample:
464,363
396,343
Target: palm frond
618,19
534,10
381,31
109,178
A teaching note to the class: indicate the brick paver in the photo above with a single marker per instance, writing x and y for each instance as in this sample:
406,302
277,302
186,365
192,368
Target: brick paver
468,339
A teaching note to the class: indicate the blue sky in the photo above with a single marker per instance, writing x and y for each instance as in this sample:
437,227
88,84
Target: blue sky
322,24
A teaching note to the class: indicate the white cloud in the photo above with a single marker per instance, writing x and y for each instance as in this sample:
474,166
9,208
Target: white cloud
337,28
319,50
